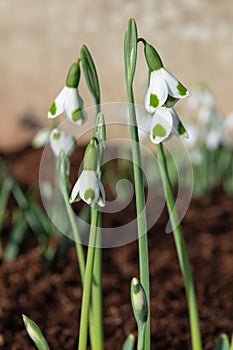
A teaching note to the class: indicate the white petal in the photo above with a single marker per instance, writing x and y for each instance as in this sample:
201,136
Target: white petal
73,107
57,106
157,92
59,141
88,181
143,122
75,192
161,125
178,129
41,138
175,88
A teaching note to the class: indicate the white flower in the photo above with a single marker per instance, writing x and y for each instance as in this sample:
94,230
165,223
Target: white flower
69,102
227,130
165,123
163,88
41,138
59,141
89,188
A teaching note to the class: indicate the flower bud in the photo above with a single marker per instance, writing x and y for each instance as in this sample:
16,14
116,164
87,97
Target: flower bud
139,301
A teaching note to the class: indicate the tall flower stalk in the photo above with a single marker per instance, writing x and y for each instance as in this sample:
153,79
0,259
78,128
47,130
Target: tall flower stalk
130,55
181,251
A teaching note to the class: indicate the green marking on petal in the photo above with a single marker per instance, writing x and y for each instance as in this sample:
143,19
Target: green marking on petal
154,100
159,131
56,135
77,114
181,129
89,194
53,108
181,89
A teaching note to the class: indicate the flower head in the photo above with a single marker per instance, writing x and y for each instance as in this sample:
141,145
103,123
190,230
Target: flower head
165,122
88,186
164,88
59,141
69,100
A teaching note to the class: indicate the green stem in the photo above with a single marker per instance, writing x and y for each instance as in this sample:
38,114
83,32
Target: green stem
85,308
181,251
96,313
140,208
62,182
141,337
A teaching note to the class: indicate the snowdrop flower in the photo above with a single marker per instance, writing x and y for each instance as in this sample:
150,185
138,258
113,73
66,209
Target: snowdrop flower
88,186
69,100
165,123
41,138
164,88
227,130
59,141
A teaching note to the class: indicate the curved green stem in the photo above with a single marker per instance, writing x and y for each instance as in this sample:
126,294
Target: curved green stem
181,251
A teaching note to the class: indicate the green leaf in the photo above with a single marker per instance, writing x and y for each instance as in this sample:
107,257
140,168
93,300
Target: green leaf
16,236
222,343
90,73
128,343
130,50
35,334
231,346
4,196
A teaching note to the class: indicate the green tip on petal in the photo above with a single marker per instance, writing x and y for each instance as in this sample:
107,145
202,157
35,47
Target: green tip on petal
159,131
56,135
181,89
53,108
89,195
154,100
77,114
181,129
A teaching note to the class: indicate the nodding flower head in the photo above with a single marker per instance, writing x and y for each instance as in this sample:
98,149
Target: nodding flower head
59,141
69,100
164,89
165,123
89,187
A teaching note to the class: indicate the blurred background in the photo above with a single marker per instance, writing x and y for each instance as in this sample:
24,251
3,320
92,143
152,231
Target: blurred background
40,39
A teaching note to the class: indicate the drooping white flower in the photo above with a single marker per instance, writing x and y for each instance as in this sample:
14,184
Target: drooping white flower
164,88
59,141
227,131
68,100
41,138
88,188
165,122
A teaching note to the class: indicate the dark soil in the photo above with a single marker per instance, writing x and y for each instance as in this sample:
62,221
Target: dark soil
51,296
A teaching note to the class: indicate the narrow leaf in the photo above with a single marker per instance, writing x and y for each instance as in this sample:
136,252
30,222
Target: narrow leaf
16,237
130,50
90,73
128,343
222,343
35,334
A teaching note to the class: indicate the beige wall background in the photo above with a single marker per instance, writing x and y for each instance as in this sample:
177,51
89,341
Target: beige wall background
40,39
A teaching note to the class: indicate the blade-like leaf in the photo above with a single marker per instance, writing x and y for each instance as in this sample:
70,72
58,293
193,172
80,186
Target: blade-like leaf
16,237
35,334
128,343
222,343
